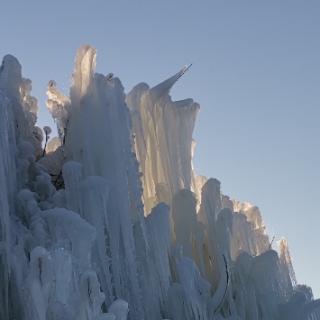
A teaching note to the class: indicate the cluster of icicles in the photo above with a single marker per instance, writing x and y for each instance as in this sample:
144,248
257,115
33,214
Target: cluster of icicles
109,220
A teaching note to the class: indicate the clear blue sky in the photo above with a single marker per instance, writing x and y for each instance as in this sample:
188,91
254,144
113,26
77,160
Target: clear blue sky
256,75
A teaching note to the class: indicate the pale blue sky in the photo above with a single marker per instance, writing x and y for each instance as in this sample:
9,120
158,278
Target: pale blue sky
256,75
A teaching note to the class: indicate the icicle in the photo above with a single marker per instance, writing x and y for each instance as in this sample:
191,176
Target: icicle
70,231
40,281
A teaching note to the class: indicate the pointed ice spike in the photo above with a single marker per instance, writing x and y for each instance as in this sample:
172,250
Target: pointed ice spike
165,86
85,65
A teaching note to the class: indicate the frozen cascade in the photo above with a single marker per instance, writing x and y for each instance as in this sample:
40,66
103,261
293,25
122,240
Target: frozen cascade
110,221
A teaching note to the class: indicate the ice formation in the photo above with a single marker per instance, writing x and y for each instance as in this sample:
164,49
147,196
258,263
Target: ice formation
109,221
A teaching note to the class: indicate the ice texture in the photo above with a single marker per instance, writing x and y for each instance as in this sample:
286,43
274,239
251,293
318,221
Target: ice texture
109,221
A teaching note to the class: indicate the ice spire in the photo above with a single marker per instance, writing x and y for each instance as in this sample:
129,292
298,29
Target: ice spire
163,139
99,138
164,87
85,66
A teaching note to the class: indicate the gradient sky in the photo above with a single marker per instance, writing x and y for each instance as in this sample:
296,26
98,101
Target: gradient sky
256,75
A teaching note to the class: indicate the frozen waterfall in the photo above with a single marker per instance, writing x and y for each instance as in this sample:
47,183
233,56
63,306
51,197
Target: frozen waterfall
111,222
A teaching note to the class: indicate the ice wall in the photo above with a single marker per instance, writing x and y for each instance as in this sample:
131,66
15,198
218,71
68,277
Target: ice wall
109,220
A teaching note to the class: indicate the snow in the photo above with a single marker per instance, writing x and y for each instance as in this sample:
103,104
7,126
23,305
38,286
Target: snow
111,222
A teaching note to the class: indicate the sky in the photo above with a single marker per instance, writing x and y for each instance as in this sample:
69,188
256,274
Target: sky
255,73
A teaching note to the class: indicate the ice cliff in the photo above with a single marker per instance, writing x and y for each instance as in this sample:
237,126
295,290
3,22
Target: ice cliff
110,221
